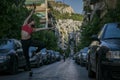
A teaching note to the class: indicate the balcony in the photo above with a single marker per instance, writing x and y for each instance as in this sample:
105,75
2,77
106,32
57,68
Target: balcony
94,1
29,2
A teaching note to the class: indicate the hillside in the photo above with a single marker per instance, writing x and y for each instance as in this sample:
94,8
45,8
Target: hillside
68,25
63,11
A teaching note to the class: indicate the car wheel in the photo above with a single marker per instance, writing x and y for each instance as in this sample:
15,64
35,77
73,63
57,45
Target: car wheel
99,75
26,68
80,61
38,64
107,75
90,72
14,67
86,66
41,62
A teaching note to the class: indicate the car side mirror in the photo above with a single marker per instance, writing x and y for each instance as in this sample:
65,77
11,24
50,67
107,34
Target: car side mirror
17,48
94,37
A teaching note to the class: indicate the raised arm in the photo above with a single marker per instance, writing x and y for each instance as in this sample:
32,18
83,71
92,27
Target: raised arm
26,20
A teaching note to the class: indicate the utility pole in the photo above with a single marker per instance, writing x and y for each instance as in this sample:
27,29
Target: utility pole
46,13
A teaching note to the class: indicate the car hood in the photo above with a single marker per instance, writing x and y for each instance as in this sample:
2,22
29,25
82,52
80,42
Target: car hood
4,52
33,58
113,44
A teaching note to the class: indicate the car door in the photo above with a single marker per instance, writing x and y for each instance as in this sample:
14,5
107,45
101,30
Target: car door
19,51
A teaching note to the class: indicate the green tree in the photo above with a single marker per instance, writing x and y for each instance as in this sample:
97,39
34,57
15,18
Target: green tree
12,16
93,27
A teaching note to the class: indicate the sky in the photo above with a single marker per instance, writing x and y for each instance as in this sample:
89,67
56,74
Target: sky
77,5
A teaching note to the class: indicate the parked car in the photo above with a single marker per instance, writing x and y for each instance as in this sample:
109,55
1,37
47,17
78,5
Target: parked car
104,54
87,59
35,59
58,56
75,56
11,56
77,60
83,56
51,56
43,55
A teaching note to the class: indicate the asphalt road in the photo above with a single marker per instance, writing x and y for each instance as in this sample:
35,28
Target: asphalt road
61,70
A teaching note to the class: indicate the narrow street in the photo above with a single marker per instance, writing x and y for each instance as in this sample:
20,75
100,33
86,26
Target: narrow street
67,70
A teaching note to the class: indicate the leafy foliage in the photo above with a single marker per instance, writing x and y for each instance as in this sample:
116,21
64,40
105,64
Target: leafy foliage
48,37
88,30
73,16
12,16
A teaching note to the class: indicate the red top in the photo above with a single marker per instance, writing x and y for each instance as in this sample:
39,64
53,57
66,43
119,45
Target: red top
27,29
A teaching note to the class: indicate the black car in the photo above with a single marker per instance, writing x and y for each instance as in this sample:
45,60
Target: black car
11,56
35,59
77,57
104,53
57,55
44,55
83,56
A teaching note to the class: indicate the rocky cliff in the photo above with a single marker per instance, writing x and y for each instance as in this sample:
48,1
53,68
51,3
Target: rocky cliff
68,32
63,9
67,26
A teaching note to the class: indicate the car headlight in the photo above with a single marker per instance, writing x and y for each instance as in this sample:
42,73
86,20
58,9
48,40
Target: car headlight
4,57
113,55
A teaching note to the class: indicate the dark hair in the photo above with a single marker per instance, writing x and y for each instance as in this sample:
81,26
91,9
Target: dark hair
33,26
30,20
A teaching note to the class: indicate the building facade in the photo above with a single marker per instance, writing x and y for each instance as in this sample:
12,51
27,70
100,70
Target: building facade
42,11
99,7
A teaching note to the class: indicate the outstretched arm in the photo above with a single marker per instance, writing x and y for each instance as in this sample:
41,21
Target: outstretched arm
40,29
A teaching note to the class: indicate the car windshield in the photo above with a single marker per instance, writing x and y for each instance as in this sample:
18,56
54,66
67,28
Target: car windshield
31,50
43,51
84,53
6,44
112,32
